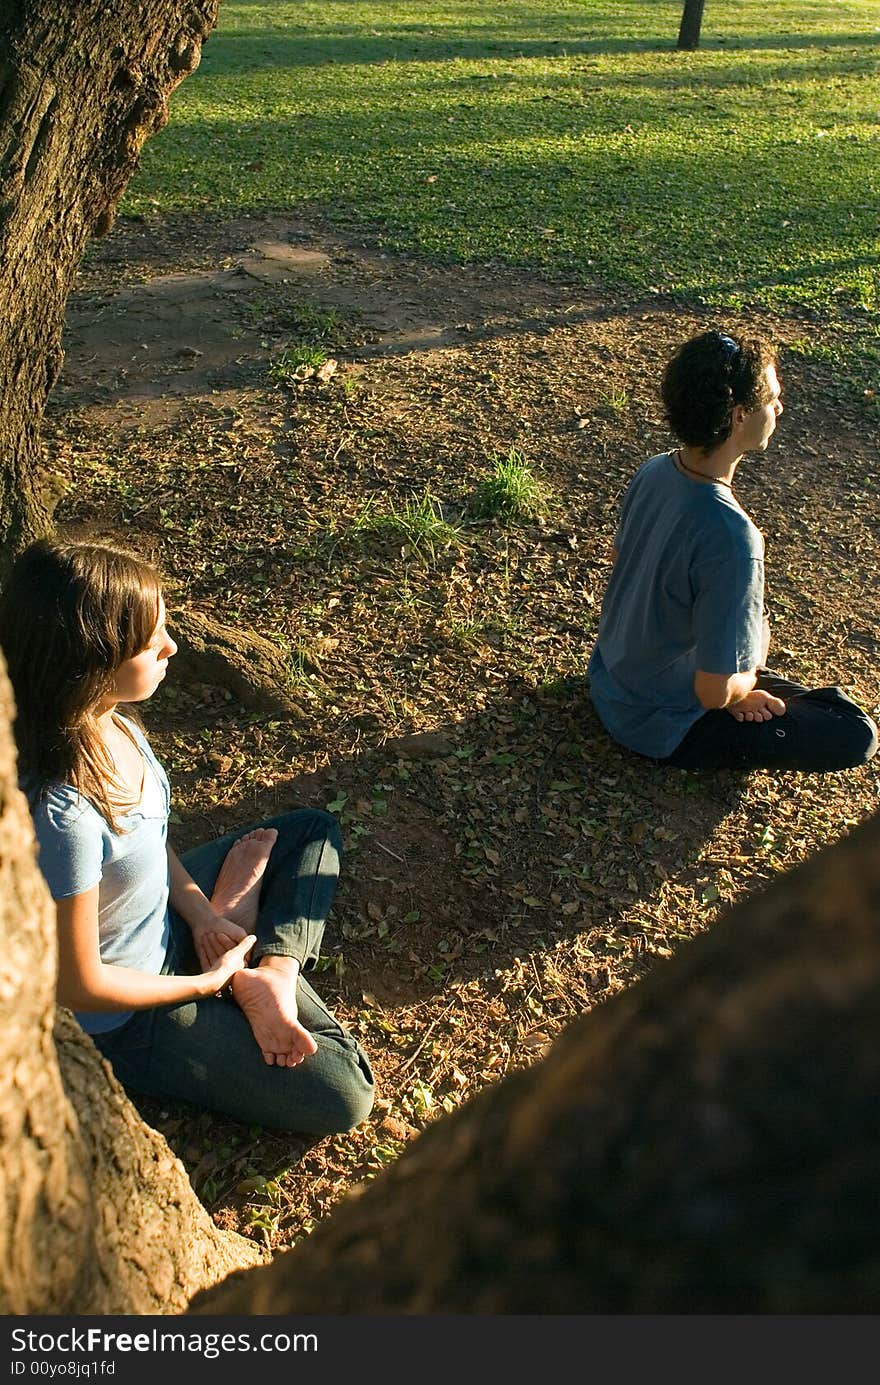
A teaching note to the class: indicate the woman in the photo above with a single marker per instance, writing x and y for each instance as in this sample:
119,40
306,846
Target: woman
185,971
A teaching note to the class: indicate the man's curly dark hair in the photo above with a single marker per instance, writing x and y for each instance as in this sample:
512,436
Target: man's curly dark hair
706,378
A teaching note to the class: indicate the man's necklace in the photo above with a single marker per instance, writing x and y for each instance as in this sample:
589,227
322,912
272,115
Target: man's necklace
718,480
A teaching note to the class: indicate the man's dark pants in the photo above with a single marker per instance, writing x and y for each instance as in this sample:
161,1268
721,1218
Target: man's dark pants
822,729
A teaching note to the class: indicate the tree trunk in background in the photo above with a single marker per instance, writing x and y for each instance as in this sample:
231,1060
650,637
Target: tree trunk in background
82,87
706,1141
691,23
96,1213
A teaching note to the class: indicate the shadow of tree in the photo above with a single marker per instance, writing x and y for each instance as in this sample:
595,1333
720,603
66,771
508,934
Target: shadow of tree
458,842
503,35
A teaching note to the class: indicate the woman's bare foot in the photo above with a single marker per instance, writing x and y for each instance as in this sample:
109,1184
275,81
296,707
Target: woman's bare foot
267,995
237,890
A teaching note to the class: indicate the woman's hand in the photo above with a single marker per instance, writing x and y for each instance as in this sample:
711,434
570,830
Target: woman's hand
87,983
232,961
213,937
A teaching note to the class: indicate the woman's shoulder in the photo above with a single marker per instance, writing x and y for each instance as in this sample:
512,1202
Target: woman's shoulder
60,806
132,726
59,799
72,838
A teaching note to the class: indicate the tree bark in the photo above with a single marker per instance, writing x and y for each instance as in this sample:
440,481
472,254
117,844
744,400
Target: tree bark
691,23
707,1141
243,663
82,86
96,1213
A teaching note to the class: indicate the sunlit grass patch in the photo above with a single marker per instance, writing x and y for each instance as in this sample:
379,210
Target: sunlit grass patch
315,324
418,522
512,494
745,172
295,363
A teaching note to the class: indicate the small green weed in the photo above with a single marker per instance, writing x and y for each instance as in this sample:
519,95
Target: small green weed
302,665
422,1097
409,602
466,632
331,961
617,398
511,493
296,364
316,324
418,522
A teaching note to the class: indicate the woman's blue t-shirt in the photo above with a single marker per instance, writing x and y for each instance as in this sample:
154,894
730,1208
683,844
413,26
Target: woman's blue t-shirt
78,850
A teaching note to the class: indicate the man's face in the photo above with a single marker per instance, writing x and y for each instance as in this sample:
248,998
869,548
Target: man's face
759,424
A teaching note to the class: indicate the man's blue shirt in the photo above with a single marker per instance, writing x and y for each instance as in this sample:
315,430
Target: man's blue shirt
686,593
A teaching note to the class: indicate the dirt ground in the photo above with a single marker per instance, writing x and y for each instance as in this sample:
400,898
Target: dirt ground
510,868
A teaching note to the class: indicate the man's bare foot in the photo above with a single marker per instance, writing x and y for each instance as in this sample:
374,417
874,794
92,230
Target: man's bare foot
267,995
237,891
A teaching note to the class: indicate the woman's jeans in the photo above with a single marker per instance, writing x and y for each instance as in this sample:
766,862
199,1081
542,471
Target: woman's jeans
822,729
204,1052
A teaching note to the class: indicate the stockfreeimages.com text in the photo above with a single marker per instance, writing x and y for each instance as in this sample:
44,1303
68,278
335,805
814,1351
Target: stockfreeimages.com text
213,1344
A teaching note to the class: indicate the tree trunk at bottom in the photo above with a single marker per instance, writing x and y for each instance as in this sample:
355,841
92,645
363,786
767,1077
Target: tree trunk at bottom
152,1244
705,1142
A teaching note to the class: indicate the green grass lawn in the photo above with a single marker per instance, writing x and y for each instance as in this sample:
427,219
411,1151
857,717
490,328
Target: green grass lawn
565,135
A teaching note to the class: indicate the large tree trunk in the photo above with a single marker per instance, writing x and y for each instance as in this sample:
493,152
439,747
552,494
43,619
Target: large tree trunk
691,23
82,86
96,1213
707,1141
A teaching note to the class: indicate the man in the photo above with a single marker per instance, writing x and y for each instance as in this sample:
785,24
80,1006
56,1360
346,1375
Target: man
678,672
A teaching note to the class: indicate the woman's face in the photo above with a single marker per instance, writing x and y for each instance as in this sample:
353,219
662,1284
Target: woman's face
139,677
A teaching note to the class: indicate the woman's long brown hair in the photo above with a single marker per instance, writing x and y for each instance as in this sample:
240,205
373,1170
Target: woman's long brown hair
70,614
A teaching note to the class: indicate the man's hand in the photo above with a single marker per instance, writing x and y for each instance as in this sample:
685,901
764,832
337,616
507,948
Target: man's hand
757,705
213,938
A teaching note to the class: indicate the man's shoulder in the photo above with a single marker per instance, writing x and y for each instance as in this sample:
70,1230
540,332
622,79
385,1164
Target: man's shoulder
652,467
650,475
731,519
723,536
